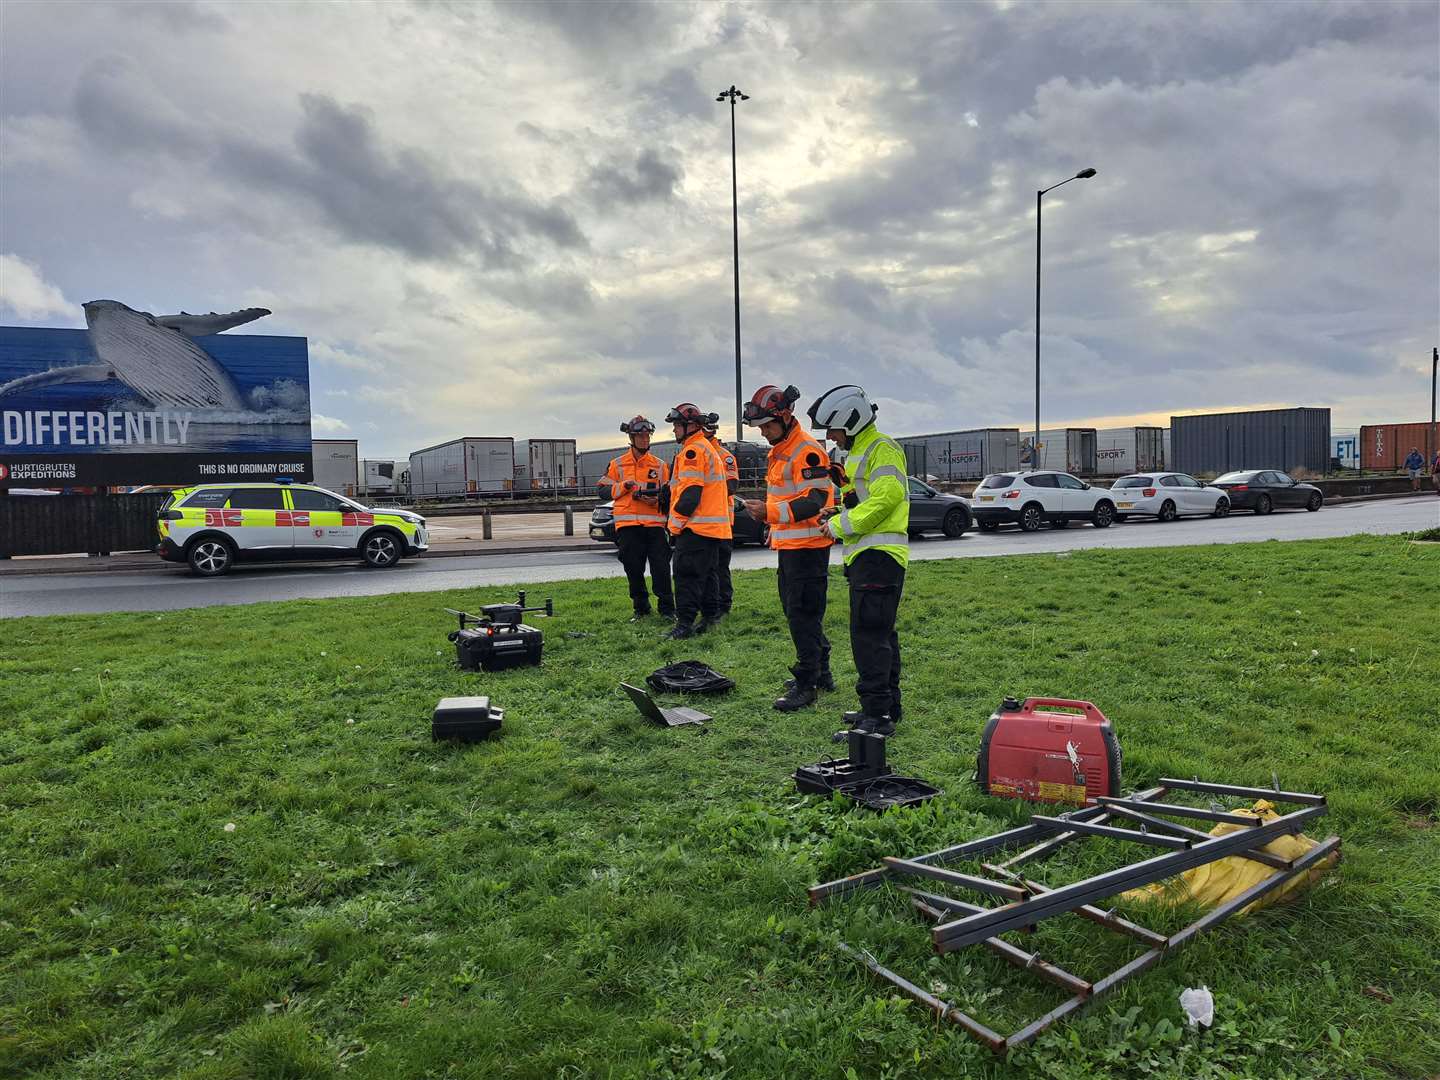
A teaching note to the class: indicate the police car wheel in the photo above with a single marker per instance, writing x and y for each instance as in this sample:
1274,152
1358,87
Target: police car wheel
380,550
211,557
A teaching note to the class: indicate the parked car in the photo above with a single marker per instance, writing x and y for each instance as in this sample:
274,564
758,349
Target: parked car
1263,490
747,529
932,510
1030,499
213,526
1166,496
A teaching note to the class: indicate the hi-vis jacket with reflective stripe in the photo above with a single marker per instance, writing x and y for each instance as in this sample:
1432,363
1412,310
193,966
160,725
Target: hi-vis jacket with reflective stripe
643,471
882,517
732,473
798,469
698,465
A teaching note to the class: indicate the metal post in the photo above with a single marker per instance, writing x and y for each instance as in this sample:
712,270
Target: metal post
486,524
733,94
569,521
1430,433
1035,454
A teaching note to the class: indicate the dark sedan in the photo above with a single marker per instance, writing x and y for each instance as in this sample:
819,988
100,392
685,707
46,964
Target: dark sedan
747,529
934,511
1264,490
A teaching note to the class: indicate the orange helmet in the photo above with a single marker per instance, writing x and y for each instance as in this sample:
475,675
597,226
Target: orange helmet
771,403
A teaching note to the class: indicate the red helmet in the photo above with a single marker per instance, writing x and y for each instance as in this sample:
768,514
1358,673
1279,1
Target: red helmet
771,403
637,425
687,414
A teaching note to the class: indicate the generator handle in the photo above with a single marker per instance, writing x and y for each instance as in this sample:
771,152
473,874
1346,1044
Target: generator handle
1067,703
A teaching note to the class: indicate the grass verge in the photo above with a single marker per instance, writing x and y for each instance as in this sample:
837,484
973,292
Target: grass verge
590,896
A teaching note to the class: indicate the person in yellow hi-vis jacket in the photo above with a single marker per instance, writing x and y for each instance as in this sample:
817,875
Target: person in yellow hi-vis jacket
872,523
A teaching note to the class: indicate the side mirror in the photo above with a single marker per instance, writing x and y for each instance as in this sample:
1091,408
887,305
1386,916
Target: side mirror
1085,484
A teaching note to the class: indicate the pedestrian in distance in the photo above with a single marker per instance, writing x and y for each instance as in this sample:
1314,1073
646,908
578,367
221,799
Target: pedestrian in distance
1414,462
637,480
699,522
724,588
1435,472
872,523
798,489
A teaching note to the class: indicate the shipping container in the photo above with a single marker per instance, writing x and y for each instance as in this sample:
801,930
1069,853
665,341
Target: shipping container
1120,451
337,464
961,455
1283,439
381,476
466,466
1071,450
545,465
1345,450
1384,447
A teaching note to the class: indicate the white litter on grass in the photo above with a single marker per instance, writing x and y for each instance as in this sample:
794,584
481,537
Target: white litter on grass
1314,652
230,826
324,654
1199,1006
350,720
357,667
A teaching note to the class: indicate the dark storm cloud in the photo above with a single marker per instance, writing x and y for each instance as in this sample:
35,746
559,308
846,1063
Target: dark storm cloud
647,177
370,193
600,28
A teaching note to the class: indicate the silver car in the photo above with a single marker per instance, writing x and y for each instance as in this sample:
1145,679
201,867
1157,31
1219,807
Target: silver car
1167,496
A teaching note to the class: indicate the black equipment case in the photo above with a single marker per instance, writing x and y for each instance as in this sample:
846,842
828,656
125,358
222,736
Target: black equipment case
468,719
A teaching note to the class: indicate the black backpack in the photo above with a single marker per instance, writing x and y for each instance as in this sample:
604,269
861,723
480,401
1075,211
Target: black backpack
689,677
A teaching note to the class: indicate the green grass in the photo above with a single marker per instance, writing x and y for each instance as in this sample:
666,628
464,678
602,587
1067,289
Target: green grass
588,896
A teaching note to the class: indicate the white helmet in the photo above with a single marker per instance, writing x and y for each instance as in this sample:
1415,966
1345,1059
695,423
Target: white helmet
845,408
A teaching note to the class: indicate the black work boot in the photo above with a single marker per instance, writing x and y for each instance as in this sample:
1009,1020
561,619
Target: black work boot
707,623
858,720
796,696
679,632
825,681
641,614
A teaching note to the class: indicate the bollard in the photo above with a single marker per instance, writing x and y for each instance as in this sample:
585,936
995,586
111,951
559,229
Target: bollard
485,522
569,521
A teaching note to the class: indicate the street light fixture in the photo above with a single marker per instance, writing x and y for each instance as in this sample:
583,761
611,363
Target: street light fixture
1083,174
733,95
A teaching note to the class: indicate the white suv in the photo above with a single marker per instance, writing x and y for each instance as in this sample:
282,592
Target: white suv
1029,499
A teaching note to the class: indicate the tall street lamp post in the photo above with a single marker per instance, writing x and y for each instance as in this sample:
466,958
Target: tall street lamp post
1083,174
734,95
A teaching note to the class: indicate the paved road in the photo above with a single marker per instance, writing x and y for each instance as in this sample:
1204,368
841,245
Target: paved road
168,587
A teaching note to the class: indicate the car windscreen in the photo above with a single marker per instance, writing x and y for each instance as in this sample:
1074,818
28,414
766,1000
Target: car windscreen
1135,481
998,481
1234,477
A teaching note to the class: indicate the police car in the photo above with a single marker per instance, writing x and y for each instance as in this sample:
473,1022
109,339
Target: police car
213,526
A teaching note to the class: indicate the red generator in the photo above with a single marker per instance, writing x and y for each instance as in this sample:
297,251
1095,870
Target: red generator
1028,751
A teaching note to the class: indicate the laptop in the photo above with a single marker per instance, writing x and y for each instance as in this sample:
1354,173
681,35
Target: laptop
668,717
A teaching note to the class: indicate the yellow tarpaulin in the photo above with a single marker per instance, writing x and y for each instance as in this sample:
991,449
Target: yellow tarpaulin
1213,883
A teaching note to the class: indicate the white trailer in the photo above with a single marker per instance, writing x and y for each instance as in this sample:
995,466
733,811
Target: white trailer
592,464
1120,451
470,466
1069,450
337,464
545,465
381,476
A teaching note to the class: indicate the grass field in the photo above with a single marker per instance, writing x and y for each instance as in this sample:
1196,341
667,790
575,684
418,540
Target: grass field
588,896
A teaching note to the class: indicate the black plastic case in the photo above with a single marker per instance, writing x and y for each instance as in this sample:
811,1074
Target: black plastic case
468,719
497,650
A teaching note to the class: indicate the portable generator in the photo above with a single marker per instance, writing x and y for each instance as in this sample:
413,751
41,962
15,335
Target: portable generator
1028,751
496,638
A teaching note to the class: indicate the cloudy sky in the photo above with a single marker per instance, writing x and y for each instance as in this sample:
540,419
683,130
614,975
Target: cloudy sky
515,218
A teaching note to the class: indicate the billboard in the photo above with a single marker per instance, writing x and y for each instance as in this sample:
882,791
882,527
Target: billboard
142,399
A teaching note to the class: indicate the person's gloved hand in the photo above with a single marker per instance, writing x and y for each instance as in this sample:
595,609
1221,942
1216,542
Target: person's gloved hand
829,512
629,485
828,527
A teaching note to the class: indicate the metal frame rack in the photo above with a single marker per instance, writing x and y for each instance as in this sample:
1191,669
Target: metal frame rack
956,923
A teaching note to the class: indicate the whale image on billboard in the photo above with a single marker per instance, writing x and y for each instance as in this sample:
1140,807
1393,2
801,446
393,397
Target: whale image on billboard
138,398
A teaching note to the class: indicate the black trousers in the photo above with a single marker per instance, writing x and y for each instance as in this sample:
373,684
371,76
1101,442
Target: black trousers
695,584
724,590
876,582
641,544
804,582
